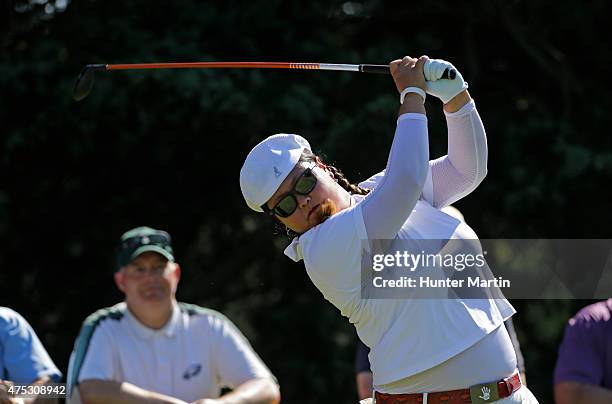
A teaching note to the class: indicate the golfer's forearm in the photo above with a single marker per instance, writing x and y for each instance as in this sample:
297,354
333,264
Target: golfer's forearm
412,103
464,166
467,143
457,102
258,391
389,205
581,393
112,392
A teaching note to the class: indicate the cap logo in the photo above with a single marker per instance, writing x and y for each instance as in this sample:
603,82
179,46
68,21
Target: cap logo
192,371
145,240
277,173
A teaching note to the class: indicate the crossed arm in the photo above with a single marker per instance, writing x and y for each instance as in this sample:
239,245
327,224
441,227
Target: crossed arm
255,391
6,398
581,393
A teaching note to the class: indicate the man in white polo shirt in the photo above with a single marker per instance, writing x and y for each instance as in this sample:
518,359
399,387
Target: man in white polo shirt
152,349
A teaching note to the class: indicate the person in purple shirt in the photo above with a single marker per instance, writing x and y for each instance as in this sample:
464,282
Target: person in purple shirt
584,367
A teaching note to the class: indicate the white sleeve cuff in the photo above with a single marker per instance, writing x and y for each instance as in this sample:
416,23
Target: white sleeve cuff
466,109
411,116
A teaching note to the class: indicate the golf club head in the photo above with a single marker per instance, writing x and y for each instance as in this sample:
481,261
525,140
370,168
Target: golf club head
85,81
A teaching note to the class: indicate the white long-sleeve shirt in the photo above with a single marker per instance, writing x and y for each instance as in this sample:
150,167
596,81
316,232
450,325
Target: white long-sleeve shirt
406,336
462,169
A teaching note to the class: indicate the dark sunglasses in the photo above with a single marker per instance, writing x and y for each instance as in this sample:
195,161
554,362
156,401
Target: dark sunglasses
155,239
288,203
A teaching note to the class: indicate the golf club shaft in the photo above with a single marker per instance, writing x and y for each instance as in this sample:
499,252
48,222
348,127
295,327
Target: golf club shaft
365,68
84,82
251,65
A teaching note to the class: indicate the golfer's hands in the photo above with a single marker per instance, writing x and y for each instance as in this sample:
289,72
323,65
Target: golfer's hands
444,89
408,72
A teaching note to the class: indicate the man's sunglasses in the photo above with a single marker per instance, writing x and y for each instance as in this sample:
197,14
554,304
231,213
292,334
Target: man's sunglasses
288,203
139,240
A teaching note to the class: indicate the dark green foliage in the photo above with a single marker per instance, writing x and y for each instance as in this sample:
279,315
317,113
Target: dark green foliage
164,148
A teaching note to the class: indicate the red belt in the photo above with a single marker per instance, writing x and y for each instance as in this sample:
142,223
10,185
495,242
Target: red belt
480,393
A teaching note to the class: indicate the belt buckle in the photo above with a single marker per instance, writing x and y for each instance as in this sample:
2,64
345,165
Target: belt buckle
484,393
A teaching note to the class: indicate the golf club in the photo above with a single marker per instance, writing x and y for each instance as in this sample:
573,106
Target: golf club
85,81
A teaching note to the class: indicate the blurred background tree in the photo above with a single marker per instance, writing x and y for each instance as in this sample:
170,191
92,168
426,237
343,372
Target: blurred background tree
164,148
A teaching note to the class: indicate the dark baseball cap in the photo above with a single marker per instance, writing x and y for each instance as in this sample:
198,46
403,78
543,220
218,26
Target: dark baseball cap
140,240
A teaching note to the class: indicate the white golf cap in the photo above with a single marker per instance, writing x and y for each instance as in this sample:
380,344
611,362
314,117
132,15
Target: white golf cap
267,166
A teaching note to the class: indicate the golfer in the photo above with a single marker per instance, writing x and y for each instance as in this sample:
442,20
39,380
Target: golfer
422,350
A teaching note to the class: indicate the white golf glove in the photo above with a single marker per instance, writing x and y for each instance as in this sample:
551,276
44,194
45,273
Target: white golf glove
444,89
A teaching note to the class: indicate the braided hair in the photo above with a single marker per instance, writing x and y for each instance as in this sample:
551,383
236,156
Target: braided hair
353,189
